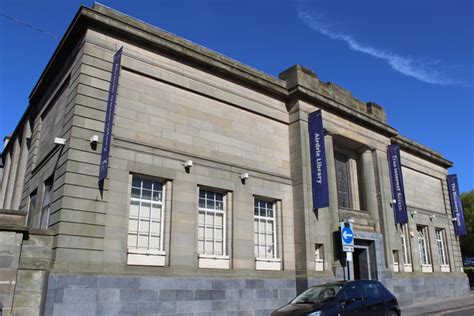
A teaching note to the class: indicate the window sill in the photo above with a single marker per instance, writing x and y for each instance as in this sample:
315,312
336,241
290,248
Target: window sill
146,257
273,264
426,268
407,268
396,267
213,262
319,265
445,268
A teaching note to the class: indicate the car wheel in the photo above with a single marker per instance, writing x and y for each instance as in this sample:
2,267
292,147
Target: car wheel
392,313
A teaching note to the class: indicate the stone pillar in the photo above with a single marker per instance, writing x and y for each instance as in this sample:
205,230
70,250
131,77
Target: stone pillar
20,176
370,188
331,169
183,240
243,230
10,185
333,225
6,173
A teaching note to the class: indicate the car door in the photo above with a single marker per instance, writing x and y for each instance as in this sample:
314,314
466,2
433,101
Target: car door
373,298
352,304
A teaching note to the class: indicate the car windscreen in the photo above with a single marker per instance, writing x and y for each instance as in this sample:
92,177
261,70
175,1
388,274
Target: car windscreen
317,294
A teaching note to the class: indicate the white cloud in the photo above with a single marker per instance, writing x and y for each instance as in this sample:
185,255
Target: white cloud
405,65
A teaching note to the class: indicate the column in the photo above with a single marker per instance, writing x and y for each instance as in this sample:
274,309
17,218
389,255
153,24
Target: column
20,176
12,175
370,187
333,225
331,169
6,173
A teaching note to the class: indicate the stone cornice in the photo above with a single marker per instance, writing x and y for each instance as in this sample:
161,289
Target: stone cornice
422,151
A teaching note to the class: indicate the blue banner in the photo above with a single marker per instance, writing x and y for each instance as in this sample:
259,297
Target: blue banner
319,174
396,180
109,116
456,206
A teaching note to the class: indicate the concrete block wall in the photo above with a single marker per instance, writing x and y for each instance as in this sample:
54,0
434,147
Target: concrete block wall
113,295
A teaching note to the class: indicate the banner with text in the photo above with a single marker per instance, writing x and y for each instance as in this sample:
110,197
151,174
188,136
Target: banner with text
109,116
396,181
317,151
456,206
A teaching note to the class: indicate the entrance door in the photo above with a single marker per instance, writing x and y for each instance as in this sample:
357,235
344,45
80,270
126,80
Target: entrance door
363,265
361,261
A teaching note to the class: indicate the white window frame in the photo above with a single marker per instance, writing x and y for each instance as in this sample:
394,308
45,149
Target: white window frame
319,257
266,219
213,261
224,219
396,261
423,248
151,255
406,253
440,234
273,262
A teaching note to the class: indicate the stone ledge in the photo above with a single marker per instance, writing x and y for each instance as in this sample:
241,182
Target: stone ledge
422,151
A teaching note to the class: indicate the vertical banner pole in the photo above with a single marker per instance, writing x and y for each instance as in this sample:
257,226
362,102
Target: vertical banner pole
317,150
109,117
456,206
396,182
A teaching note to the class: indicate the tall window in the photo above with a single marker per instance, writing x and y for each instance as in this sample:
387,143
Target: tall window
440,245
31,207
343,180
47,201
319,257
211,223
145,230
423,245
405,245
264,229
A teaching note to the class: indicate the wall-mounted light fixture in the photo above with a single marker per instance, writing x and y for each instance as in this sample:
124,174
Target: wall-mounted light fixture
432,217
413,213
94,140
187,165
244,176
60,141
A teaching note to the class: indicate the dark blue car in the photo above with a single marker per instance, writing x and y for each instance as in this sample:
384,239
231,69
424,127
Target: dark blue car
345,298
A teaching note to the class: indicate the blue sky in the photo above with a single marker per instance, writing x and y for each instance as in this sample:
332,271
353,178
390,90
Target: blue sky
414,57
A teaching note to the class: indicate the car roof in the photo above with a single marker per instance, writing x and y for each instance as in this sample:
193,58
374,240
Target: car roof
345,282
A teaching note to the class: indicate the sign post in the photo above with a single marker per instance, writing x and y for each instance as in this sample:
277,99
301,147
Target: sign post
347,239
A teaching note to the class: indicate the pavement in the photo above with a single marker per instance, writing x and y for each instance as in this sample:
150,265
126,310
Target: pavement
461,306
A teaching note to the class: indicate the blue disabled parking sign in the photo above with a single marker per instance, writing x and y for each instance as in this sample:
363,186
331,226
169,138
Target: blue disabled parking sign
347,237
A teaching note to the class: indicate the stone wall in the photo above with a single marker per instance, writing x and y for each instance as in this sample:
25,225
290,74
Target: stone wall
112,295
25,258
422,287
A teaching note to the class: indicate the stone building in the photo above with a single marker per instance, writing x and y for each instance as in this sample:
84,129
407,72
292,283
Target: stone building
207,204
